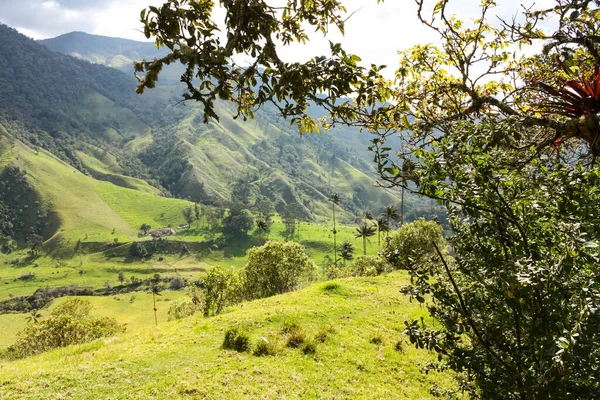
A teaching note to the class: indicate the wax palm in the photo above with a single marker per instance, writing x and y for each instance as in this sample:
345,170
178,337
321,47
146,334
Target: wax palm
346,251
34,316
335,200
391,214
382,226
155,291
364,231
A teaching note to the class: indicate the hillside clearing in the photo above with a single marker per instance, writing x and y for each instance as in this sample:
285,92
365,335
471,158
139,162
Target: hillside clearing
184,359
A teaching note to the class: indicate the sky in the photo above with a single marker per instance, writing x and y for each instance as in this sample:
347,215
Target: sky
376,32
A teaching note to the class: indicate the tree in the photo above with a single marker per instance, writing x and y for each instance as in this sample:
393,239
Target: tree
291,216
505,139
364,231
276,268
263,226
346,251
188,215
414,244
335,200
197,211
382,226
34,241
155,290
121,277
239,221
34,316
391,214
145,228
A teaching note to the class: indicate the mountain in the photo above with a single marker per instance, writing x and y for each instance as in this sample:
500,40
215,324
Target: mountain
89,117
113,52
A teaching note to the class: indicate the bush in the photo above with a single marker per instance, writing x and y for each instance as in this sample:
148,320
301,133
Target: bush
295,334
221,288
363,266
67,324
412,244
139,250
309,346
183,308
276,268
177,283
265,347
236,339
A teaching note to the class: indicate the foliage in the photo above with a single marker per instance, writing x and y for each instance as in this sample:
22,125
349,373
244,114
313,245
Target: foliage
237,339
67,324
276,268
482,135
183,308
365,230
363,266
346,251
239,221
412,244
138,249
221,288
265,347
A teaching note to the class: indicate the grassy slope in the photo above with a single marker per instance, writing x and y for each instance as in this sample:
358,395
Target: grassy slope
184,359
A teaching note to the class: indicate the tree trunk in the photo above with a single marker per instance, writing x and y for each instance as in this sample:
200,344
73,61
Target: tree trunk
402,208
334,241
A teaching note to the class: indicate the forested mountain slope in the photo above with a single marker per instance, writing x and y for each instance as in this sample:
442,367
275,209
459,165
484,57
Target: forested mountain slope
89,116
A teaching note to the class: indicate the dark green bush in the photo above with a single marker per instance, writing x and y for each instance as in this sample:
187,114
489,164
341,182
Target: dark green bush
236,339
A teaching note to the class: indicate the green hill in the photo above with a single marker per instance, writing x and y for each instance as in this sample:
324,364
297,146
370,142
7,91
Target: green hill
362,355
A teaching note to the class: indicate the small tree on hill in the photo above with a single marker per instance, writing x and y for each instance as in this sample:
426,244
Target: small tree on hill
34,241
145,228
238,222
412,244
275,268
188,214
121,277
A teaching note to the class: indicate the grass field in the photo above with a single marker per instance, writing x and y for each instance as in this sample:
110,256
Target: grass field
363,356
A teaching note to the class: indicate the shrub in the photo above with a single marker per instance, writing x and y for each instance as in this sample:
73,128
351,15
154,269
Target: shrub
295,334
276,268
265,347
221,288
309,346
183,308
412,244
67,324
369,266
236,339
177,283
139,250
323,333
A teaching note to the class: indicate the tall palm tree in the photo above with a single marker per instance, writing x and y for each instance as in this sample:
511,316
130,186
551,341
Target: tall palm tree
335,200
346,251
155,291
364,231
263,226
382,226
391,214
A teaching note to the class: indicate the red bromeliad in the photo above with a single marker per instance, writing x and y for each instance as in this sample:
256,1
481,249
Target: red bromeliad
575,99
